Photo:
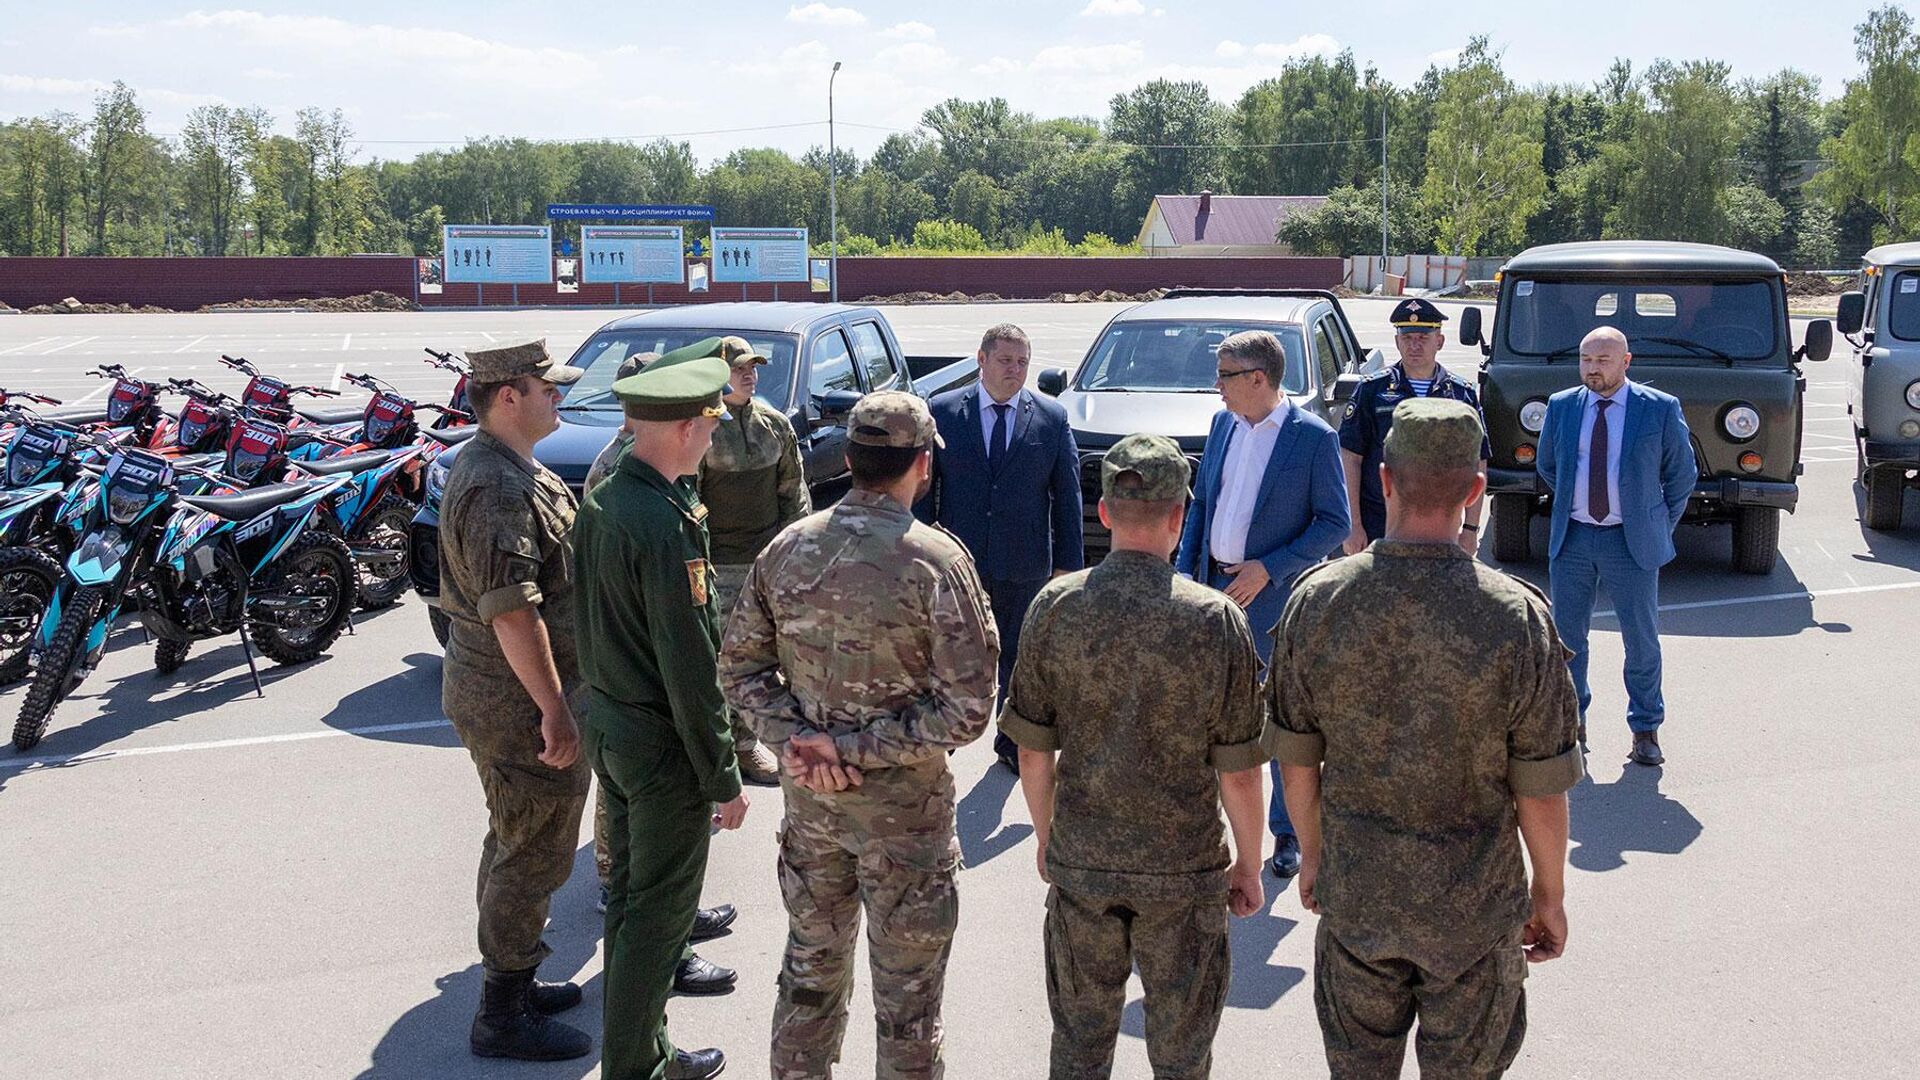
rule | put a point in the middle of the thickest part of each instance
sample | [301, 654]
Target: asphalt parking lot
[195, 882]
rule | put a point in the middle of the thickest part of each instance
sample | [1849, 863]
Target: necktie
[1598, 504]
[997, 451]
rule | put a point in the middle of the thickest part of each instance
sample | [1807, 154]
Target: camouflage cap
[738, 350]
[511, 362]
[1155, 459]
[675, 392]
[892, 418]
[634, 364]
[1438, 433]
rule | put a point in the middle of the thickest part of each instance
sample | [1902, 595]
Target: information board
[750, 255]
[499, 254]
[636, 254]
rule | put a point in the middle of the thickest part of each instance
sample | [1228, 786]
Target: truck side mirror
[1053, 380]
[835, 405]
[1853, 312]
[1818, 342]
[1470, 327]
[1343, 387]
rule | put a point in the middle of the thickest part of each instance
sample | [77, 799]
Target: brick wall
[189, 283]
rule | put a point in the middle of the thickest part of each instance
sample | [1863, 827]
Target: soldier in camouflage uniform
[863, 647]
[1408, 790]
[753, 485]
[1149, 749]
[506, 583]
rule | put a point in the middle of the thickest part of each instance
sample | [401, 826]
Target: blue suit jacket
[1657, 470]
[1023, 523]
[1300, 517]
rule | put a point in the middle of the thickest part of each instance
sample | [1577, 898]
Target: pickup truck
[1153, 370]
[820, 359]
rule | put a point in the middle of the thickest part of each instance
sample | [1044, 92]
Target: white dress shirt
[1241, 477]
[987, 417]
[1616, 442]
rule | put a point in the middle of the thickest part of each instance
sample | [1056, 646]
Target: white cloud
[1230, 50]
[1082, 58]
[909, 31]
[1114, 8]
[914, 57]
[1304, 45]
[818, 14]
[268, 74]
[999, 65]
[50, 87]
[1445, 57]
[1159, 12]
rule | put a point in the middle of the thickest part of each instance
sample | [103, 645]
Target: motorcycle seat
[248, 504]
[348, 463]
[339, 414]
[452, 435]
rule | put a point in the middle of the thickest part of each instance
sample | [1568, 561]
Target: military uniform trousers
[830, 868]
[1471, 1025]
[658, 826]
[533, 828]
[1093, 942]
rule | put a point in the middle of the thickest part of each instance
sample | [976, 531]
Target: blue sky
[418, 74]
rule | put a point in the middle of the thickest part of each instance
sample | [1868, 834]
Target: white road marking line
[204, 337]
[1771, 597]
[347, 343]
[496, 340]
[31, 344]
[1821, 546]
[341, 369]
[56, 760]
[70, 344]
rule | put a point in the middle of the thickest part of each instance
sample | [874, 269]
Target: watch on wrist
[1469, 527]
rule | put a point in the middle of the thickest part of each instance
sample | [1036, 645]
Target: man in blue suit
[1270, 501]
[1618, 460]
[1007, 483]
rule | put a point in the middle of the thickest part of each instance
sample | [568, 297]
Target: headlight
[1533, 416]
[1913, 394]
[22, 467]
[1742, 422]
[437, 481]
[124, 507]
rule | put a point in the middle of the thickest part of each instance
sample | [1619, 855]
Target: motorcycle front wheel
[302, 604]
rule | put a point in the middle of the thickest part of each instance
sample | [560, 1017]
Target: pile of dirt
[1818, 285]
[71, 306]
[1108, 296]
[373, 301]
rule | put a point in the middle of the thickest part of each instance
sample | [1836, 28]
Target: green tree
[1876, 159]
[1484, 178]
[943, 235]
[1306, 131]
[216, 144]
[977, 201]
[117, 150]
[1680, 156]
[1174, 131]
[1349, 223]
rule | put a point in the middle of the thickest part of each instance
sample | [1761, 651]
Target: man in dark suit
[1007, 483]
[1618, 459]
[1270, 501]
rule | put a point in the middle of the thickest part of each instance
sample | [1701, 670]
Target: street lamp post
[833, 201]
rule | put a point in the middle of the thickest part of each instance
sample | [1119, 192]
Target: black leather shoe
[695, 1064]
[548, 998]
[699, 977]
[1646, 749]
[710, 923]
[1286, 857]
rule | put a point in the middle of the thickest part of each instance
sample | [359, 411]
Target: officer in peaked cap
[656, 731]
[1419, 334]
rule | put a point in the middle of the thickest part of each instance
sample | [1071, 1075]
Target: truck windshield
[1178, 357]
[602, 354]
[1705, 322]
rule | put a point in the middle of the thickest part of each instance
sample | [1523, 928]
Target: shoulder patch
[1350, 410]
[699, 573]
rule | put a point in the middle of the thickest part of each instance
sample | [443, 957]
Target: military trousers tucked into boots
[830, 869]
[1094, 942]
[658, 827]
[533, 827]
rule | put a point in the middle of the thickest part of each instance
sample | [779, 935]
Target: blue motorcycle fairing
[100, 556]
[297, 515]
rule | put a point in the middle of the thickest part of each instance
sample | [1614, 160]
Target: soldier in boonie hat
[892, 418]
[510, 362]
[1434, 434]
[738, 351]
[1145, 468]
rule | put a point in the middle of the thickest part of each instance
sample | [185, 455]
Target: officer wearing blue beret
[1418, 333]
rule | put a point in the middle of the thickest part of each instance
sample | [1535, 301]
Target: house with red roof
[1209, 224]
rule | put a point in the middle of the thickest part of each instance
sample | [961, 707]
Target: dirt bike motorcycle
[133, 408]
[457, 404]
[192, 567]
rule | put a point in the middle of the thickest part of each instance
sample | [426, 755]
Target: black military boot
[549, 998]
[507, 1026]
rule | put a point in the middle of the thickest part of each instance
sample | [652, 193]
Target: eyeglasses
[1225, 375]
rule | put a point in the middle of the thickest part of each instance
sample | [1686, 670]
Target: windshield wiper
[1562, 352]
[1685, 344]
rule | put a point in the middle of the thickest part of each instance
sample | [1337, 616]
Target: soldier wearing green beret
[1128, 751]
[753, 485]
[507, 588]
[863, 646]
[657, 730]
[1413, 796]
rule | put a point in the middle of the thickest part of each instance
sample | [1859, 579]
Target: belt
[1591, 525]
